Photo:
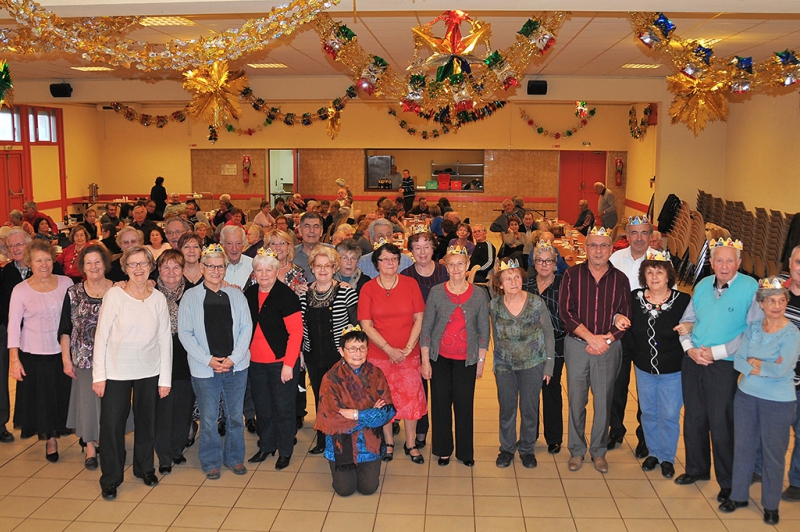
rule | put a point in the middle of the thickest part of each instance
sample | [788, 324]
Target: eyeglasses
[455, 265]
[354, 350]
[548, 262]
[175, 232]
[18, 245]
[213, 267]
[390, 260]
[323, 266]
[595, 246]
[137, 265]
[129, 242]
[349, 258]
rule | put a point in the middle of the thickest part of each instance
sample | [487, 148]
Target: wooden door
[578, 172]
[11, 181]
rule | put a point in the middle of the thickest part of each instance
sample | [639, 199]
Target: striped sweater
[345, 299]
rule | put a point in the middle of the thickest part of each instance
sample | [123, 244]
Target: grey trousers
[765, 424]
[519, 388]
[599, 373]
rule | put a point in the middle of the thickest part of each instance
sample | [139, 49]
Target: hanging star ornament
[697, 101]
[216, 92]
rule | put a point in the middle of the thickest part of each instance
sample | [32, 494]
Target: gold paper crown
[770, 284]
[658, 255]
[736, 244]
[351, 328]
[544, 245]
[381, 241]
[636, 220]
[510, 265]
[600, 232]
[457, 250]
[418, 228]
[267, 252]
[213, 248]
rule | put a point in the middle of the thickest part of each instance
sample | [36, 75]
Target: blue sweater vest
[720, 320]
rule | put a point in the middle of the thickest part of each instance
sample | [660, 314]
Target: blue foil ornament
[664, 24]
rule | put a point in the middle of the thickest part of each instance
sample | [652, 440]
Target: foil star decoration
[697, 101]
[6, 85]
[216, 92]
[451, 54]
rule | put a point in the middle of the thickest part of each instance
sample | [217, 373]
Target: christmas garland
[582, 112]
[638, 130]
[448, 124]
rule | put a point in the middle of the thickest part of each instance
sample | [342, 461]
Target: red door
[578, 172]
[11, 180]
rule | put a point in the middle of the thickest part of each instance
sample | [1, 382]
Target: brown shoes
[575, 463]
[600, 464]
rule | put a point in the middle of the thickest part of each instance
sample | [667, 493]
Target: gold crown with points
[418, 228]
[544, 245]
[351, 328]
[457, 250]
[770, 284]
[267, 252]
[601, 231]
[213, 248]
[736, 244]
[509, 265]
[638, 220]
[658, 255]
[380, 242]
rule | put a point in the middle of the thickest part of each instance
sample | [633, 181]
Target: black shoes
[149, 479]
[554, 448]
[723, 495]
[792, 494]
[317, 450]
[91, 463]
[260, 456]
[421, 443]
[299, 423]
[641, 450]
[282, 462]
[504, 459]
[179, 460]
[650, 463]
[444, 460]
[417, 459]
[110, 493]
[667, 469]
[51, 457]
[730, 506]
[686, 479]
[771, 517]
[529, 460]
[164, 469]
[388, 455]
[613, 441]
[469, 463]
[252, 428]
[6, 437]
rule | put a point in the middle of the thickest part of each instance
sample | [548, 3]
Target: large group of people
[169, 321]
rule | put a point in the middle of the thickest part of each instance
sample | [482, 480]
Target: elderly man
[484, 254]
[17, 219]
[152, 213]
[606, 206]
[240, 267]
[500, 225]
[174, 228]
[380, 230]
[141, 222]
[32, 214]
[792, 493]
[628, 261]
[110, 217]
[311, 234]
[721, 308]
[585, 218]
[592, 294]
[126, 238]
[175, 205]
[194, 214]
[255, 240]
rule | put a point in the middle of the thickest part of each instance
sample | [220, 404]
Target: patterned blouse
[522, 341]
[79, 320]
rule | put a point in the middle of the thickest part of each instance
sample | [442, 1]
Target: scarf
[344, 388]
[173, 297]
[353, 281]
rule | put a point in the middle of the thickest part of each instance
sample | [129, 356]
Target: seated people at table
[194, 215]
[175, 205]
[43, 231]
[513, 240]
[264, 219]
[141, 222]
[585, 219]
[355, 402]
[500, 225]
[90, 223]
[31, 214]
[110, 217]
[444, 205]
[16, 219]
[380, 231]
[237, 217]
[152, 212]
[463, 238]
[421, 208]
[223, 214]
[69, 258]
[436, 219]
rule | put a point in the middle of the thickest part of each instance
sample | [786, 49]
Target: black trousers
[552, 403]
[315, 375]
[275, 406]
[620, 400]
[408, 202]
[114, 409]
[364, 478]
[173, 418]
[452, 391]
[5, 400]
[424, 424]
[708, 393]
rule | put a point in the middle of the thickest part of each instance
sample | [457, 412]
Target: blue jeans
[231, 386]
[660, 399]
[794, 467]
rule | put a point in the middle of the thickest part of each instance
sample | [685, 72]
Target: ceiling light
[166, 21]
[267, 65]
[641, 65]
[92, 69]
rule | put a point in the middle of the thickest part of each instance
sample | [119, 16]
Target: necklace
[388, 290]
[322, 296]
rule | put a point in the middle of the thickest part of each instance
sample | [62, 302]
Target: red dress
[393, 317]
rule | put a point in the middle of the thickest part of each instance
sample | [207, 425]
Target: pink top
[41, 312]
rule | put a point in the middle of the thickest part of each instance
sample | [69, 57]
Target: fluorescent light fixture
[166, 21]
[267, 65]
[641, 65]
[92, 69]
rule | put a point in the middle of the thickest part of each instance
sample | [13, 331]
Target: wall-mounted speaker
[537, 87]
[61, 90]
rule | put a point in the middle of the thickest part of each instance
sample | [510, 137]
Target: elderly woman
[765, 403]
[127, 237]
[158, 242]
[355, 403]
[653, 339]
[214, 328]
[69, 258]
[425, 271]
[191, 247]
[545, 282]
[174, 412]
[223, 214]
[463, 238]
[327, 307]
[454, 338]
[524, 352]
[289, 273]
[132, 354]
[79, 315]
[277, 325]
[349, 272]
[34, 351]
[201, 228]
[390, 310]
[255, 240]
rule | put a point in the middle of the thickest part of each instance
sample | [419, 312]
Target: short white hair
[227, 233]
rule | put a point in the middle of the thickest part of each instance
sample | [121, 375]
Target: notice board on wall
[221, 172]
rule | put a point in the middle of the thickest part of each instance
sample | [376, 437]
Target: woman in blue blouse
[764, 406]
[353, 433]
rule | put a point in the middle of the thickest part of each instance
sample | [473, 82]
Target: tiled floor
[37, 495]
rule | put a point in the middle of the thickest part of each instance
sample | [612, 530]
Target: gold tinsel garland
[639, 130]
[100, 39]
[704, 82]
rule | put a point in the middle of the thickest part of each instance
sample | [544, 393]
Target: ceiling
[589, 44]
